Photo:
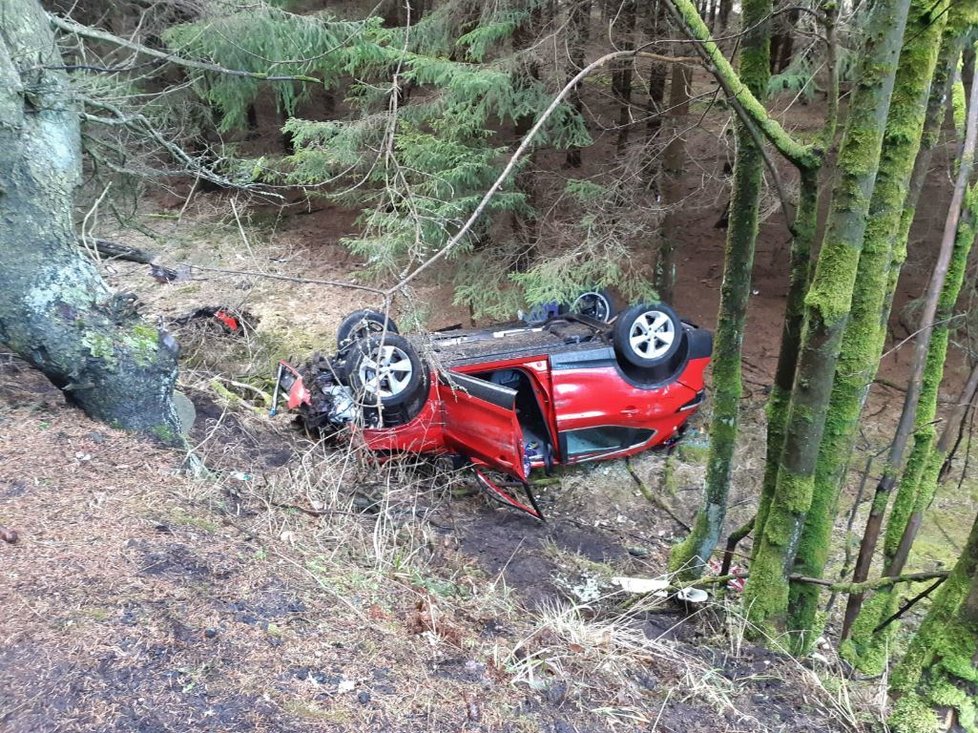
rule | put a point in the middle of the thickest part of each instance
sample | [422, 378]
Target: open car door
[480, 423]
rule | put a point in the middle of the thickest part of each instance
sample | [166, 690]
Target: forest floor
[263, 582]
[292, 587]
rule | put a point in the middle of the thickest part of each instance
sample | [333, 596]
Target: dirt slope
[291, 591]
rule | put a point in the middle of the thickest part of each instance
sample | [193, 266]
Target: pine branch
[521, 151]
[70, 26]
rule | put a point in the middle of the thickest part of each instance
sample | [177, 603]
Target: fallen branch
[116, 251]
[882, 582]
[651, 496]
[733, 539]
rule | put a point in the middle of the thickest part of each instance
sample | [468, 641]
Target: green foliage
[419, 148]
[269, 41]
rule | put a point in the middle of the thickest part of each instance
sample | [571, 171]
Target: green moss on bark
[827, 308]
[689, 556]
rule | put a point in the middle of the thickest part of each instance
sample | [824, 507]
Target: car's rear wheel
[597, 303]
[385, 369]
[361, 324]
[648, 335]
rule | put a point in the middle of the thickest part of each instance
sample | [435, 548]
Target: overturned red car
[568, 388]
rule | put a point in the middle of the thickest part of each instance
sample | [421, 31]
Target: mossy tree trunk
[926, 367]
[865, 331]
[940, 669]
[55, 311]
[866, 647]
[826, 313]
[799, 276]
[690, 556]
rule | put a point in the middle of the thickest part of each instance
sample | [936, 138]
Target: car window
[604, 439]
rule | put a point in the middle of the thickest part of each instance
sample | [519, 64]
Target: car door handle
[630, 411]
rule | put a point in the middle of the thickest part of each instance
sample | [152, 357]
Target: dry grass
[284, 584]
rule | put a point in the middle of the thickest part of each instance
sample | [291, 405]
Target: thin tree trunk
[578, 22]
[912, 397]
[621, 78]
[690, 556]
[827, 308]
[932, 475]
[525, 223]
[800, 273]
[55, 311]
[725, 7]
[673, 168]
[862, 340]
[658, 75]
[866, 646]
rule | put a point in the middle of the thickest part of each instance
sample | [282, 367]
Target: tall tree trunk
[525, 223]
[940, 668]
[865, 332]
[673, 168]
[55, 311]
[690, 555]
[908, 416]
[827, 308]
[783, 40]
[725, 7]
[578, 27]
[800, 272]
[866, 647]
[621, 78]
[655, 24]
[934, 473]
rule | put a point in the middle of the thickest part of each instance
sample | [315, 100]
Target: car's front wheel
[361, 324]
[648, 335]
[385, 370]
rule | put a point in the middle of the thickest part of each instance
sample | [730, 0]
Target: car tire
[361, 324]
[648, 335]
[597, 303]
[388, 367]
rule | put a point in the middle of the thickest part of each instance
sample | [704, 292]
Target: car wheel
[596, 303]
[361, 324]
[385, 368]
[648, 335]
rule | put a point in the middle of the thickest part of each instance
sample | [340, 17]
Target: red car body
[519, 398]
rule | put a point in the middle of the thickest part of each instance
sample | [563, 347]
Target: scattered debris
[233, 321]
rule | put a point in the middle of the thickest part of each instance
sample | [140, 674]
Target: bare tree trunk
[673, 167]
[621, 79]
[55, 311]
[658, 74]
[578, 22]
[725, 7]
